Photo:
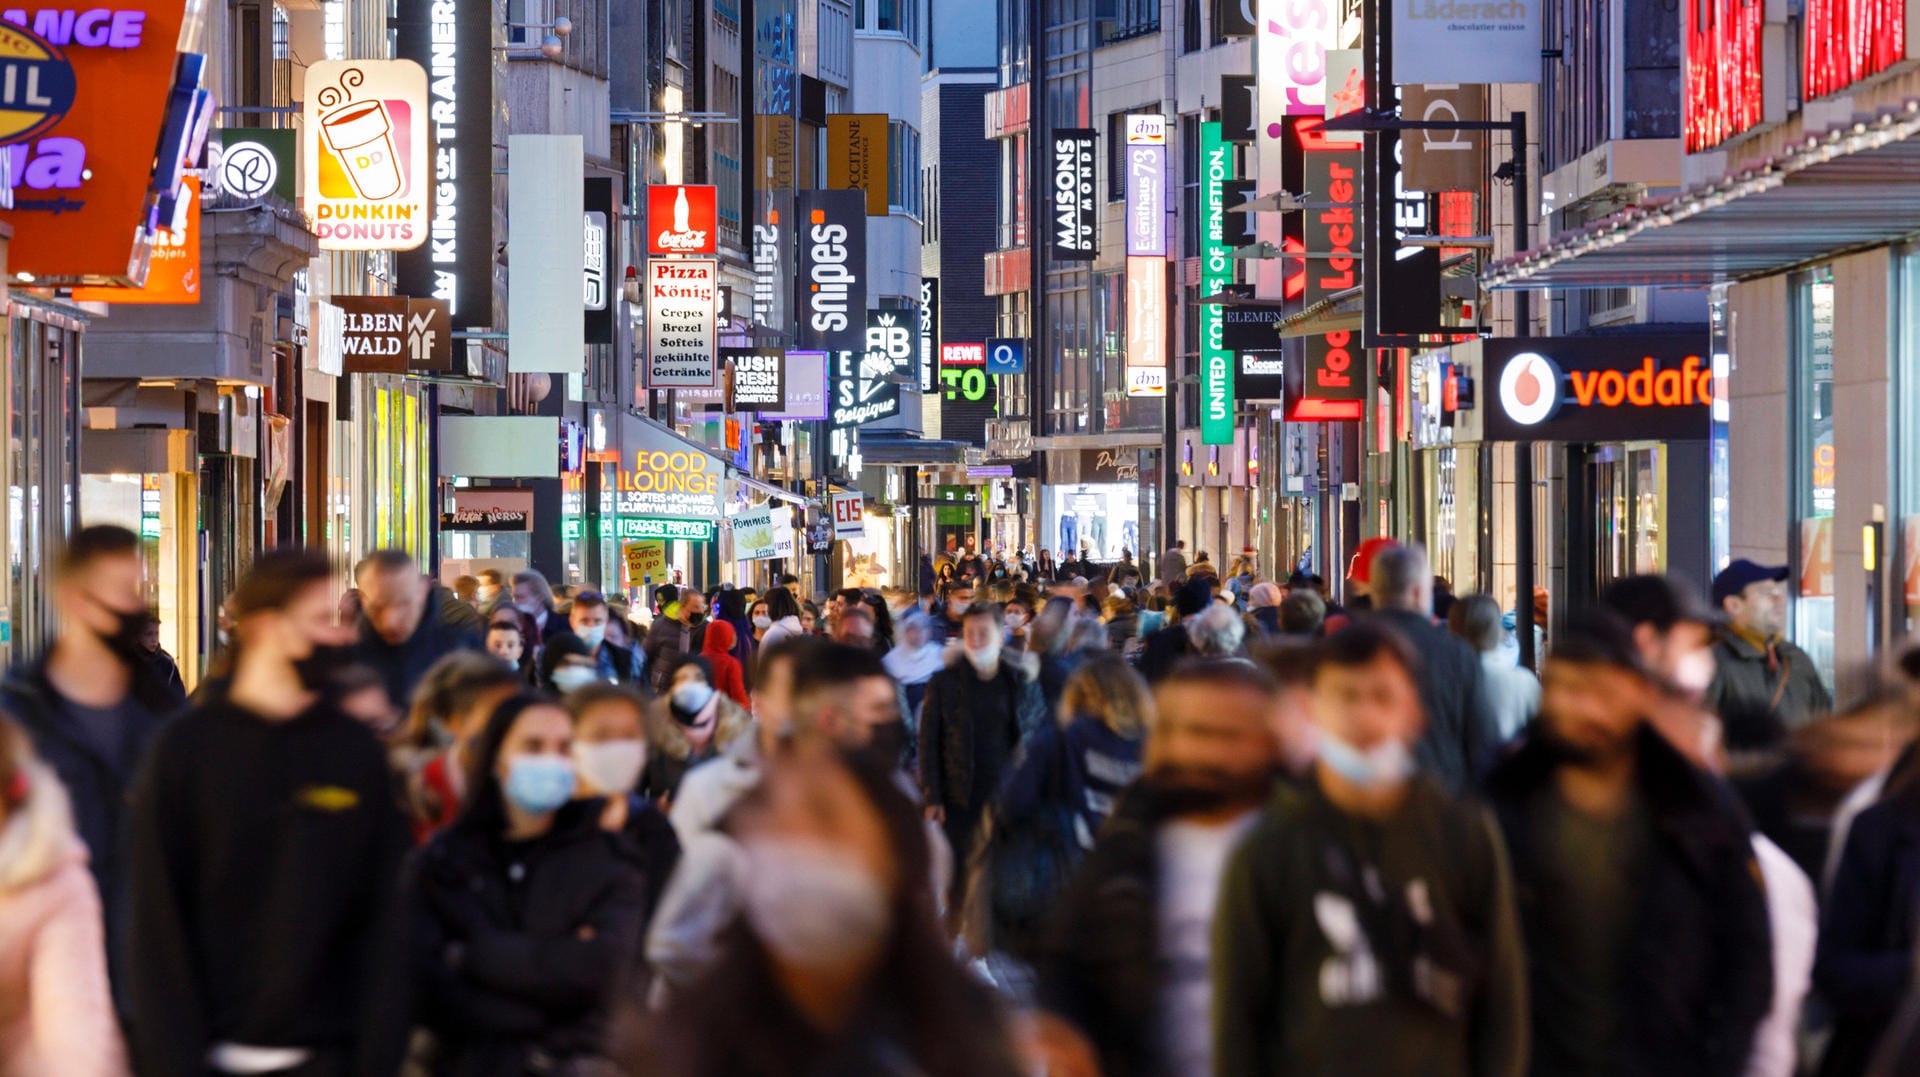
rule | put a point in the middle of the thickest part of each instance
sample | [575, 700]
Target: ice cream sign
[367, 185]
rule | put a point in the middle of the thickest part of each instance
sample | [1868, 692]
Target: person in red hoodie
[717, 648]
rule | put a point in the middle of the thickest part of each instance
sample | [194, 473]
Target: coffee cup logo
[360, 135]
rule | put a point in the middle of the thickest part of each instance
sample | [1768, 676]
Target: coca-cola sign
[681, 219]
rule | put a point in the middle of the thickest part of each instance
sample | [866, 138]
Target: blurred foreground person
[265, 848]
[1646, 921]
[401, 631]
[1366, 925]
[449, 710]
[1460, 737]
[1078, 765]
[92, 704]
[918, 657]
[835, 964]
[1128, 957]
[56, 1010]
[529, 911]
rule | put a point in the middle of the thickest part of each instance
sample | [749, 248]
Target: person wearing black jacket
[1460, 738]
[1645, 918]
[401, 631]
[1166, 647]
[1864, 965]
[528, 910]
[265, 848]
[92, 704]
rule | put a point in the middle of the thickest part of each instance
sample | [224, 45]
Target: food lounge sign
[669, 478]
[83, 98]
[1598, 389]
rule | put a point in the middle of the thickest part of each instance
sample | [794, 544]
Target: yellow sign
[857, 157]
[645, 559]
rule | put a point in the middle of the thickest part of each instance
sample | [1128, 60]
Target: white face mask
[763, 622]
[487, 594]
[1388, 763]
[986, 659]
[592, 636]
[692, 697]
[611, 766]
[574, 678]
[1694, 674]
[957, 608]
[531, 609]
[812, 905]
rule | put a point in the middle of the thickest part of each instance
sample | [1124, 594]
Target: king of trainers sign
[1597, 388]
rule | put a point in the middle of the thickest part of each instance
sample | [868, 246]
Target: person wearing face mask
[1367, 923]
[92, 704]
[588, 617]
[783, 609]
[529, 910]
[1646, 918]
[832, 960]
[610, 752]
[267, 815]
[693, 722]
[761, 619]
[490, 594]
[1126, 959]
[533, 597]
[567, 665]
[956, 598]
[975, 713]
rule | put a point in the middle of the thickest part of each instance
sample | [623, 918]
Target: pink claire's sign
[1723, 92]
[1848, 40]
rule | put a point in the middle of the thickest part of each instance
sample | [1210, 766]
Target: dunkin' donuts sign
[368, 187]
[1598, 389]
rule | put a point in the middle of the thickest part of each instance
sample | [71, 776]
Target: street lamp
[551, 46]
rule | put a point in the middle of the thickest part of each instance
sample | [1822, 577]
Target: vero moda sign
[830, 286]
[1571, 389]
[1075, 211]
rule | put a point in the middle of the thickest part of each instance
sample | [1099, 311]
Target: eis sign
[368, 187]
[1598, 389]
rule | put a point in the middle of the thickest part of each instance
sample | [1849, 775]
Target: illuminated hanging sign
[669, 478]
[1216, 272]
[1075, 209]
[680, 322]
[1146, 306]
[857, 157]
[929, 330]
[173, 276]
[596, 242]
[85, 92]
[1597, 388]
[830, 280]
[1333, 382]
[1845, 41]
[681, 219]
[1290, 46]
[1146, 163]
[757, 378]
[368, 188]
[1467, 41]
[454, 43]
[806, 388]
[1724, 91]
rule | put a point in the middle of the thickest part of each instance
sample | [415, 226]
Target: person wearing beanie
[1166, 647]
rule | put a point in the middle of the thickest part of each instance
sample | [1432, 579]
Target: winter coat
[1165, 648]
[402, 666]
[785, 628]
[1100, 965]
[956, 702]
[1760, 698]
[1173, 567]
[717, 648]
[1460, 739]
[56, 1010]
[667, 639]
[518, 947]
[1697, 974]
[1865, 958]
[1078, 768]
[97, 787]
[671, 753]
[623, 665]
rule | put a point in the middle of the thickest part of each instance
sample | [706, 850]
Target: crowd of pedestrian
[1034, 816]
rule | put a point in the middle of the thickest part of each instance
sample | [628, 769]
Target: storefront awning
[911, 451]
[767, 489]
[1853, 188]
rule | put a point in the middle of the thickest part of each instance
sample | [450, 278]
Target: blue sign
[1006, 355]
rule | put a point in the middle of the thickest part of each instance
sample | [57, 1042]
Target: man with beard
[92, 704]
[1645, 918]
[1367, 924]
[1128, 961]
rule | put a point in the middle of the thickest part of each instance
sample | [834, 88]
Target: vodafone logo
[1530, 389]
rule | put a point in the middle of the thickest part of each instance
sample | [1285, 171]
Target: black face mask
[319, 670]
[698, 620]
[1191, 792]
[124, 640]
[887, 744]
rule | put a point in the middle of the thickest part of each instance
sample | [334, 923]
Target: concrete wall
[1758, 433]
[1861, 396]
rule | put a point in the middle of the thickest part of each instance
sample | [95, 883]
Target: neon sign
[1848, 40]
[1724, 90]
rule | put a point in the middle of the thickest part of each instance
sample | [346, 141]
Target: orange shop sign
[85, 91]
[173, 275]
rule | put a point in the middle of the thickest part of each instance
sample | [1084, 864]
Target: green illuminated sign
[965, 383]
[1216, 272]
[644, 527]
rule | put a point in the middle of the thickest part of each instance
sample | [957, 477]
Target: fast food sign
[368, 188]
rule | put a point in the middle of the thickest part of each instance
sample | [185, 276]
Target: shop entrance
[1635, 508]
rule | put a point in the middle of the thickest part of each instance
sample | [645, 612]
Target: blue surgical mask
[1384, 764]
[593, 636]
[538, 784]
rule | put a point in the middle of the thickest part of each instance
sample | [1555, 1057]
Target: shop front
[1091, 505]
[40, 458]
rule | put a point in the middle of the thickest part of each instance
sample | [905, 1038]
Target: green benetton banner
[1216, 272]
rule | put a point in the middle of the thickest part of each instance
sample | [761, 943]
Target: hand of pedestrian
[936, 814]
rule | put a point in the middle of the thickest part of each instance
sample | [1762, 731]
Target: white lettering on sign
[444, 113]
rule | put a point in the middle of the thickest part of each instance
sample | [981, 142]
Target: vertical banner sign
[1146, 159]
[968, 397]
[830, 286]
[1290, 53]
[545, 205]
[366, 154]
[1075, 211]
[1403, 281]
[682, 219]
[857, 157]
[681, 294]
[759, 378]
[597, 238]
[1239, 103]
[454, 42]
[772, 259]
[1444, 160]
[1146, 326]
[1335, 366]
[1216, 272]
[929, 331]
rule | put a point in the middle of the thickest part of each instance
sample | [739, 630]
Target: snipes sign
[1598, 389]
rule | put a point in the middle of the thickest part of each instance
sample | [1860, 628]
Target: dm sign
[1597, 389]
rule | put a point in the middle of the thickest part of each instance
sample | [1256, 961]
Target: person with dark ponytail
[528, 910]
[265, 850]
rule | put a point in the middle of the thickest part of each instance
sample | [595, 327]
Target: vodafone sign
[1598, 389]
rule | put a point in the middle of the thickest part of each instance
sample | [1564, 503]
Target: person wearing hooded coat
[694, 722]
[717, 647]
[527, 912]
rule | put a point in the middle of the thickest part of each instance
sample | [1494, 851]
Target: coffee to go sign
[1598, 389]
